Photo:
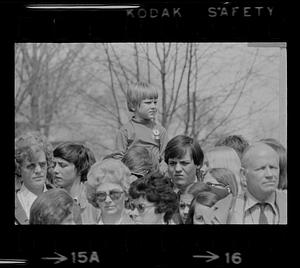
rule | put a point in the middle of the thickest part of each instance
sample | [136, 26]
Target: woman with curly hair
[52, 207]
[33, 158]
[107, 187]
[153, 200]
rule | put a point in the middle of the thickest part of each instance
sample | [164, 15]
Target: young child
[142, 129]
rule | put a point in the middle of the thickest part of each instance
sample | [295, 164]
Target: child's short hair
[139, 92]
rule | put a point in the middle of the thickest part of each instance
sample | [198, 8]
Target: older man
[261, 203]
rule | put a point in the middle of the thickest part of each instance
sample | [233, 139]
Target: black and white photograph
[163, 122]
[100, 120]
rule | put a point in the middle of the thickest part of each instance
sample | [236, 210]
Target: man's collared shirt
[26, 198]
[252, 210]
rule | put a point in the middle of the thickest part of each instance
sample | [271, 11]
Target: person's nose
[178, 167]
[38, 169]
[108, 199]
[186, 210]
[56, 169]
[268, 172]
[153, 105]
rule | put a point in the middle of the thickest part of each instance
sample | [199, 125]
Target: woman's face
[144, 212]
[182, 170]
[65, 173]
[111, 198]
[184, 205]
[202, 214]
[34, 170]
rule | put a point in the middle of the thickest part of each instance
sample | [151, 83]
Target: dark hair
[158, 189]
[51, 207]
[281, 151]
[80, 155]
[178, 146]
[140, 160]
[236, 142]
[205, 198]
[26, 144]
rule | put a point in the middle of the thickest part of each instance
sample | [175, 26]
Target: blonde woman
[223, 157]
[107, 187]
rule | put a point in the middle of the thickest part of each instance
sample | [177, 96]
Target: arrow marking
[210, 257]
[13, 261]
[58, 259]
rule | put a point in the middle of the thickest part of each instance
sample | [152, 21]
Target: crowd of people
[150, 179]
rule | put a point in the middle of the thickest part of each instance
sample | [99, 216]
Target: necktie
[262, 215]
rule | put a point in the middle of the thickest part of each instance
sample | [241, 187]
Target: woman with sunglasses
[107, 186]
[152, 199]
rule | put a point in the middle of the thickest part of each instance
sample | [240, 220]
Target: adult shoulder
[20, 214]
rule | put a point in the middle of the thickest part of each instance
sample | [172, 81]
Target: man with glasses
[33, 156]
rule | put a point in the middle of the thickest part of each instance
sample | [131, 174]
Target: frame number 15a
[85, 257]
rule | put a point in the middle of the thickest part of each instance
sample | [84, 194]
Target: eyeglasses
[140, 207]
[141, 175]
[114, 195]
[219, 186]
[138, 175]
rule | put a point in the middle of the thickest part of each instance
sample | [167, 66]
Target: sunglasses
[138, 175]
[219, 188]
[140, 207]
[217, 185]
[114, 195]
[141, 175]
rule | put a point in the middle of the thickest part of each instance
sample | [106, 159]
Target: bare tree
[45, 76]
[202, 87]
